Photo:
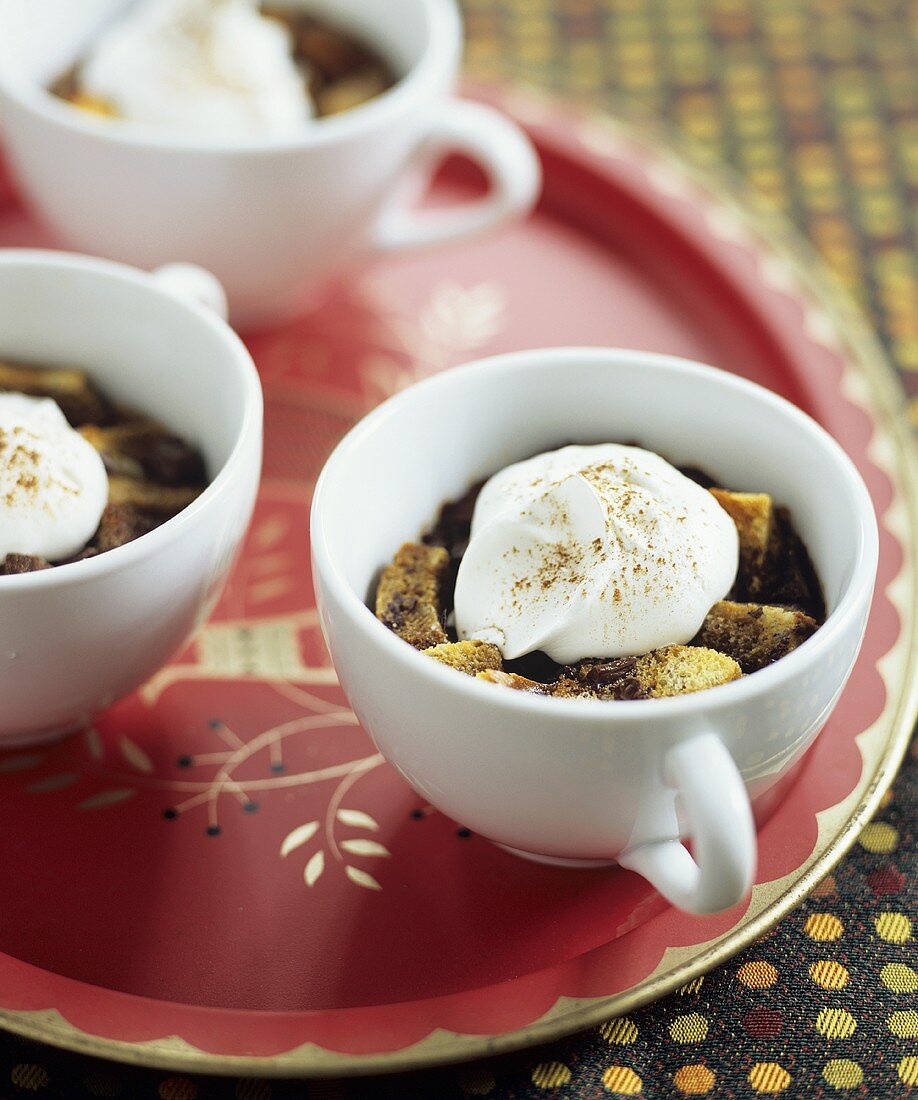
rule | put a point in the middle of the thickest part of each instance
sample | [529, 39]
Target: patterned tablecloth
[815, 103]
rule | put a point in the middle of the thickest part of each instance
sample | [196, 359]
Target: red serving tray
[225, 876]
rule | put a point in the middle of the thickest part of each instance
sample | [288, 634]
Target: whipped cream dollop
[599, 551]
[209, 68]
[53, 484]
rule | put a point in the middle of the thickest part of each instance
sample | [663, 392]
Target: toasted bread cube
[571, 687]
[149, 496]
[682, 669]
[579, 682]
[470, 657]
[350, 91]
[754, 635]
[119, 437]
[512, 680]
[14, 564]
[334, 54]
[143, 449]
[107, 441]
[122, 523]
[409, 599]
[673, 670]
[754, 516]
[71, 389]
[94, 104]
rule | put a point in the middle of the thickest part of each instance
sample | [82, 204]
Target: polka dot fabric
[815, 103]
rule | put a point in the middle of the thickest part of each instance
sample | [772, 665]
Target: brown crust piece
[350, 91]
[143, 449]
[71, 389]
[754, 516]
[790, 579]
[672, 670]
[470, 657]
[409, 599]
[150, 497]
[93, 104]
[615, 678]
[107, 441]
[511, 680]
[334, 53]
[754, 635]
[14, 564]
[342, 71]
[571, 687]
[682, 670]
[122, 523]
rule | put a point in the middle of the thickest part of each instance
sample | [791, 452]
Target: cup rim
[444, 42]
[577, 711]
[123, 557]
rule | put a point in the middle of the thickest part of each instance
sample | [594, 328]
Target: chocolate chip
[629, 688]
[398, 608]
[171, 461]
[608, 672]
[698, 476]
[335, 54]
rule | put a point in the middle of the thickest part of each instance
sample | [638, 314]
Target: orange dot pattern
[757, 974]
[694, 1080]
[620, 1031]
[907, 1070]
[768, 1077]
[814, 103]
[622, 1081]
[29, 1077]
[550, 1075]
[823, 927]
[828, 974]
[835, 1023]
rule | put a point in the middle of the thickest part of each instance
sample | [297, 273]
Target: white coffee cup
[270, 218]
[76, 637]
[580, 781]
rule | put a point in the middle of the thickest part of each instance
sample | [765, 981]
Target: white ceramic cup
[270, 218]
[566, 780]
[75, 638]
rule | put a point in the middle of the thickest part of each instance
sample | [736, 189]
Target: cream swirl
[53, 485]
[210, 68]
[599, 551]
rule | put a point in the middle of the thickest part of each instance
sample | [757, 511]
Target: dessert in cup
[310, 136]
[602, 572]
[121, 504]
[195, 65]
[79, 475]
[678, 643]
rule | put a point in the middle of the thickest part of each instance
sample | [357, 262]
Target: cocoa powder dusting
[22, 460]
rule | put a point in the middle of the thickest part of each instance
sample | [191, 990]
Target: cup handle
[720, 825]
[493, 142]
[193, 283]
